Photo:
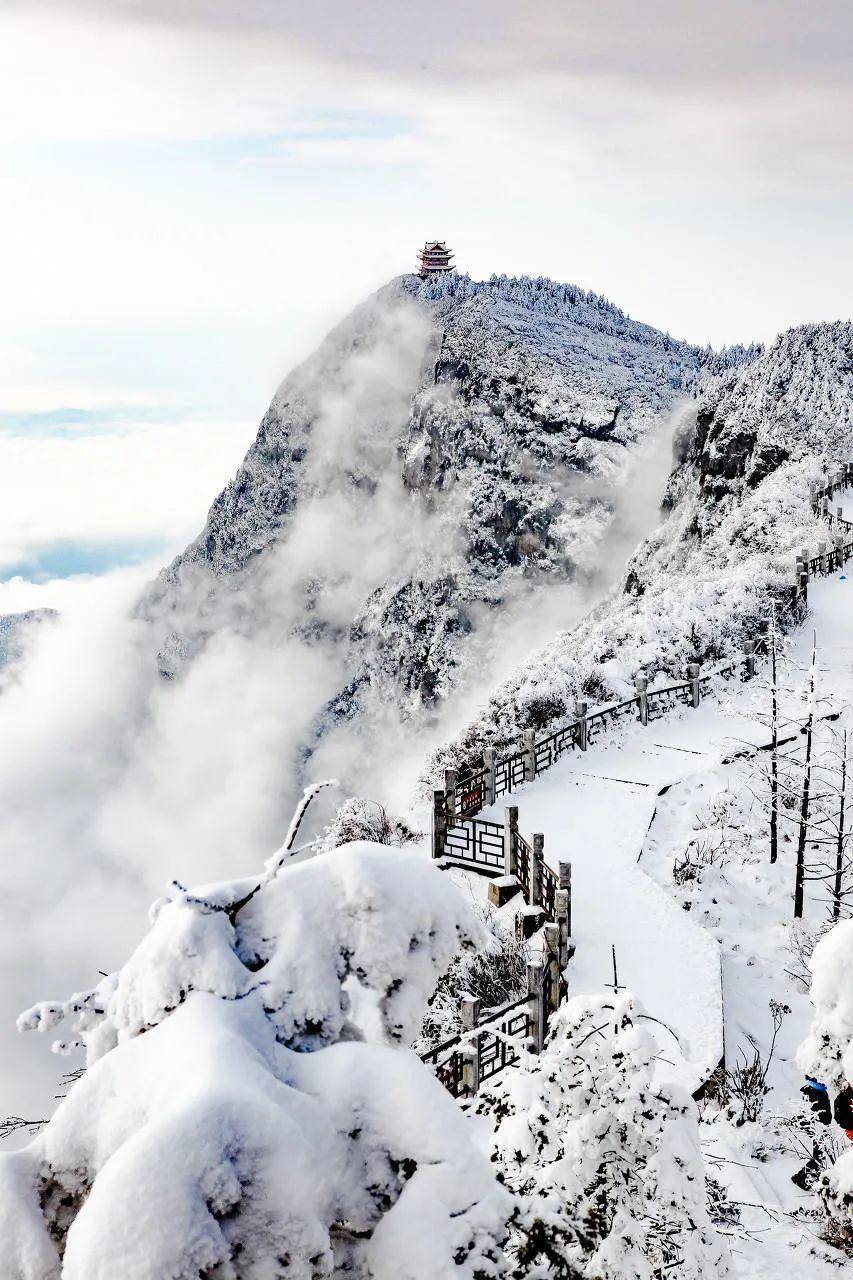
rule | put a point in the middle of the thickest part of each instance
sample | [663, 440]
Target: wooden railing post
[536, 860]
[564, 902]
[535, 996]
[749, 650]
[489, 779]
[510, 829]
[822, 550]
[450, 796]
[469, 1010]
[804, 589]
[529, 747]
[693, 677]
[551, 934]
[641, 685]
[439, 824]
[580, 717]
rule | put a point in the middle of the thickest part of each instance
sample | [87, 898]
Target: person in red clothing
[842, 1109]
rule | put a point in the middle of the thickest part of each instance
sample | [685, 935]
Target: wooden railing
[486, 1045]
[465, 795]
[494, 1039]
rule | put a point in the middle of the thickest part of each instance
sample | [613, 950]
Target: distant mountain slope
[14, 629]
[739, 512]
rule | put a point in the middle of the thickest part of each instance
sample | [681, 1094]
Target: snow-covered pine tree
[235, 1119]
[826, 1055]
[604, 1159]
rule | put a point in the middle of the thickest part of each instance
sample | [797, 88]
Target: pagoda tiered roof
[435, 256]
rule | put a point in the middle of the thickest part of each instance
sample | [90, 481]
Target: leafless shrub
[716, 1092]
[806, 1138]
[802, 940]
[17, 1124]
[361, 819]
[747, 1080]
[723, 1211]
[699, 855]
[838, 1231]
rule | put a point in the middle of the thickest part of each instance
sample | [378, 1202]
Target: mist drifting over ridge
[458, 472]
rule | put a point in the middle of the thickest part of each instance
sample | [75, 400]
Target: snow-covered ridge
[739, 512]
[452, 475]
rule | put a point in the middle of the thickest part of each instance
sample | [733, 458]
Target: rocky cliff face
[738, 512]
[453, 463]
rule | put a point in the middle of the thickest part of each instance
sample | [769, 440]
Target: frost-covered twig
[277, 861]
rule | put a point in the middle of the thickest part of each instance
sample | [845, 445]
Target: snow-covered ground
[706, 958]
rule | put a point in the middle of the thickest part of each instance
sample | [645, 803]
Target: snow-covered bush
[361, 819]
[605, 1161]
[826, 1054]
[235, 1121]
[494, 975]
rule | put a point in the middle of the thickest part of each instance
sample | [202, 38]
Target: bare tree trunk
[839, 848]
[804, 803]
[774, 749]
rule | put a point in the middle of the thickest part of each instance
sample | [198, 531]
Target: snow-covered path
[595, 809]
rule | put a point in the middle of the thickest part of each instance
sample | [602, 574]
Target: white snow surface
[234, 1121]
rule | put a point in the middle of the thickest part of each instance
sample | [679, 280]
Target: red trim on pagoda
[435, 257]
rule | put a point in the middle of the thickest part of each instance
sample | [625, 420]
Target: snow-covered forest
[475, 507]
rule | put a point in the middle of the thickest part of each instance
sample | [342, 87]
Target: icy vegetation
[15, 630]
[245, 1112]
[738, 513]
[606, 1164]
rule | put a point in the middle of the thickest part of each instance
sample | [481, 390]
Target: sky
[192, 193]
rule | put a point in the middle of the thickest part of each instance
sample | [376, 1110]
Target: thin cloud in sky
[86, 501]
[687, 40]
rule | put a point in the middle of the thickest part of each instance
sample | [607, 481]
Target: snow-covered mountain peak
[444, 480]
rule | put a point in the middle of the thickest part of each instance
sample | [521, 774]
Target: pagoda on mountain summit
[435, 258]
